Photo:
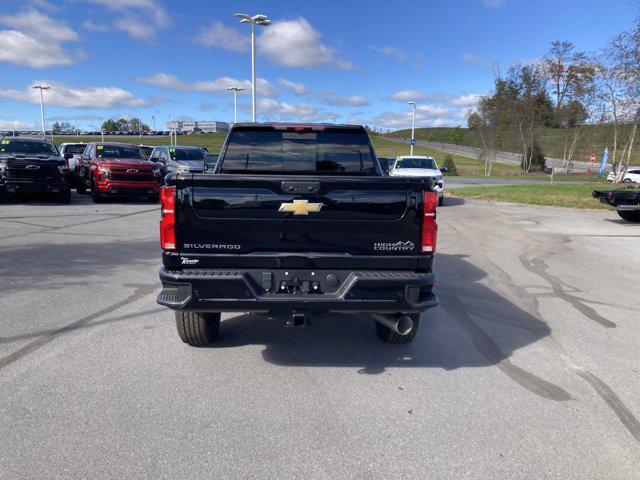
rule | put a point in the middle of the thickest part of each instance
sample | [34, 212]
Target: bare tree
[523, 95]
[571, 75]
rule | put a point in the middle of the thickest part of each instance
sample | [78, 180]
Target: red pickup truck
[117, 169]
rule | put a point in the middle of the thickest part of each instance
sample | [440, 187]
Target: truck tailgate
[266, 220]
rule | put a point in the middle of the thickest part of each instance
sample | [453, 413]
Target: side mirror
[444, 169]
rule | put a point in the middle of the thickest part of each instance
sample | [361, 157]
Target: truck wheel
[95, 195]
[441, 200]
[389, 336]
[197, 328]
[630, 216]
[81, 188]
[65, 198]
[153, 198]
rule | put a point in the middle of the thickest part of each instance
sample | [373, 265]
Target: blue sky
[358, 60]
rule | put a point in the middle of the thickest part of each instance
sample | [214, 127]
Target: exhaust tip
[404, 325]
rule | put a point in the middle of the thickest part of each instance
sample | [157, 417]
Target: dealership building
[194, 126]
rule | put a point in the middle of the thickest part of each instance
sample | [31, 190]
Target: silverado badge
[300, 207]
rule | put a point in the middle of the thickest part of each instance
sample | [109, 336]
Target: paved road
[529, 369]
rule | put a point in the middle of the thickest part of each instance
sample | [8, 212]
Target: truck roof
[295, 126]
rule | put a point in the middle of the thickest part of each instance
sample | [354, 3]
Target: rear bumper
[256, 290]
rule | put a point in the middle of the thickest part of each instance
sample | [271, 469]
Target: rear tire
[81, 188]
[441, 201]
[630, 216]
[198, 329]
[389, 336]
[627, 180]
[153, 198]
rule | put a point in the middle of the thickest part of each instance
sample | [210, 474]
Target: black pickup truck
[626, 200]
[31, 165]
[292, 221]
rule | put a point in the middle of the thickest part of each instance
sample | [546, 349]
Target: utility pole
[42, 87]
[413, 126]
[235, 89]
[259, 19]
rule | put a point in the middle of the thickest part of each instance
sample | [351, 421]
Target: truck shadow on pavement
[55, 265]
[473, 327]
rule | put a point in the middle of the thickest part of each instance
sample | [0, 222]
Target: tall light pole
[235, 91]
[333, 117]
[413, 126]
[42, 87]
[258, 19]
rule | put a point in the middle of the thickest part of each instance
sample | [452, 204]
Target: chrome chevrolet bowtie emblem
[300, 207]
[32, 167]
[132, 170]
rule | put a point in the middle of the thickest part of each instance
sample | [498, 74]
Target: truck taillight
[168, 218]
[429, 226]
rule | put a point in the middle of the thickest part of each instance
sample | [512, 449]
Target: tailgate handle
[300, 187]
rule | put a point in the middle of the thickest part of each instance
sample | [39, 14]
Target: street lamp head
[41, 87]
[259, 17]
[264, 23]
[411, 103]
[243, 16]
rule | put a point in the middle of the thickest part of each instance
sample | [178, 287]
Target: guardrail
[509, 158]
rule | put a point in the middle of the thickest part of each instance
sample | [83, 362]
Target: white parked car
[632, 175]
[419, 166]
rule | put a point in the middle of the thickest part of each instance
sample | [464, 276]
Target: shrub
[451, 166]
[537, 160]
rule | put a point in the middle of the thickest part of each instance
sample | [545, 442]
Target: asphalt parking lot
[528, 369]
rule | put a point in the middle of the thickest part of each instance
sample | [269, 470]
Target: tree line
[136, 125]
[567, 89]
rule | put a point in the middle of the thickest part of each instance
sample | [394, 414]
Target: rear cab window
[330, 151]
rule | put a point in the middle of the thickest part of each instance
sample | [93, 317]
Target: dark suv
[32, 166]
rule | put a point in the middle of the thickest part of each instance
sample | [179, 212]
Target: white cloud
[35, 40]
[66, 118]
[294, 43]
[273, 110]
[76, 97]
[297, 88]
[466, 100]
[467, 57]
[390, 51]
[340, 100]
[218, 86]
[426, 116]
[346, 64]
[207, 106]
[220, 36]
[408, 96]
[493, 4]
[94, 27]
[8, 125]
[39, 26]
[141, 19]
[21, 49]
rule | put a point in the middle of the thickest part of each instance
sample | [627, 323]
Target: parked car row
[33, 165]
